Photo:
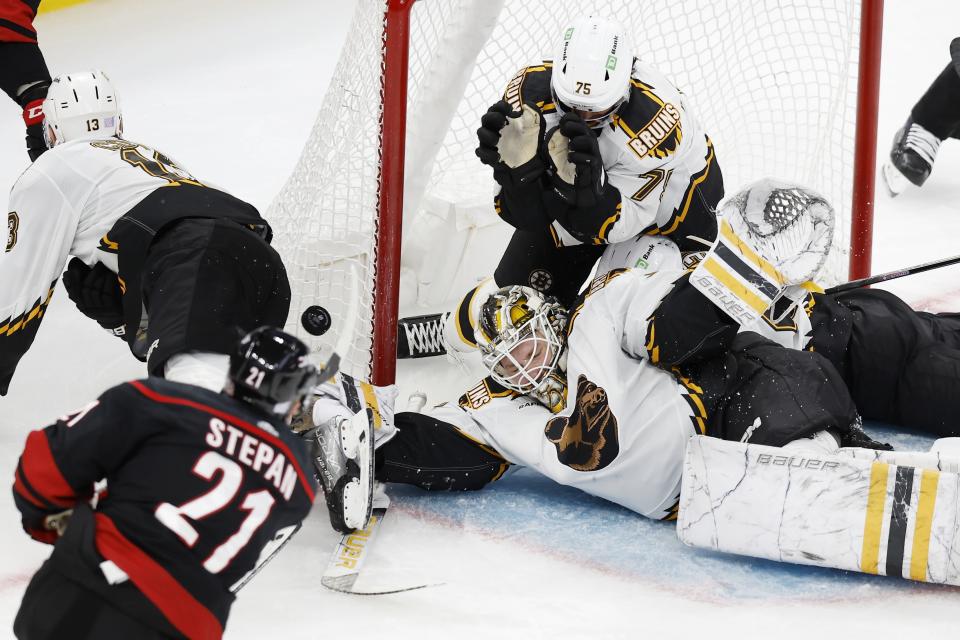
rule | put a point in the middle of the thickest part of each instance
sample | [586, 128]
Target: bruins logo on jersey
[587, 440]
[13, 225]
[483, 393]
[660, 135]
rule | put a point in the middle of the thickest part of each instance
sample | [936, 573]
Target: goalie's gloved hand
[576, 165]
[509, 142]
[31, 100]
[96, 292]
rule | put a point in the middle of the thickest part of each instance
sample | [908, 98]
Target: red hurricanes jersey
[16, 20]
[197, 484]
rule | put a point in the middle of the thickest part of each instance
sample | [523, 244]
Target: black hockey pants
[794, 394]
[938, 110]
[206, 281]
[902, 366]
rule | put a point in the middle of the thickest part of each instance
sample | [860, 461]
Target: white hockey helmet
[79, 106]
[521, 337]
[592, 68]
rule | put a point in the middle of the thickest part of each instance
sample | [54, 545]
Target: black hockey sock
[937, 110]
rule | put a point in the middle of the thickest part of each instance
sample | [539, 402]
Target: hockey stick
[279, 543]
[328, 370]
[893, 275]
[351, 552]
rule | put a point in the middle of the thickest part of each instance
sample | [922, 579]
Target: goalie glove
[509, 142]
[774, 236]
[96, 292]
[576, 166]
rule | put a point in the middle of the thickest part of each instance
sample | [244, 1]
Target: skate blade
[895, 181]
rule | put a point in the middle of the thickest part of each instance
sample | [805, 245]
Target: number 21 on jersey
[258, 504]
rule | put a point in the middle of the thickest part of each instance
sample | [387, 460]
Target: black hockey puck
[315, 319]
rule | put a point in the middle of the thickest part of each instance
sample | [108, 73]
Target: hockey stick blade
[270, 550]
[351, 553]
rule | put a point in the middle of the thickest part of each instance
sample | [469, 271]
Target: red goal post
[787, 89]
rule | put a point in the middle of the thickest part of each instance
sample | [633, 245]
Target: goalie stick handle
[893, 275]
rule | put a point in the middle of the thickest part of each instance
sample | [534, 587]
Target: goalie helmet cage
[786, 88]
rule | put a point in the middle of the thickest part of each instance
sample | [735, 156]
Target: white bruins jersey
[622, 433]
[63, 205]
[655, 152]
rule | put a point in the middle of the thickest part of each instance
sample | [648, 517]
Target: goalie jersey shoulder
[531, 85]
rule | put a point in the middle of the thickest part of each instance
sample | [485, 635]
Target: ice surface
[230, 88]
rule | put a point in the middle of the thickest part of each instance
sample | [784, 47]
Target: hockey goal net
[773, 82]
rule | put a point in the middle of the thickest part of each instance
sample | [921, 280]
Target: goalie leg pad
[831, 511]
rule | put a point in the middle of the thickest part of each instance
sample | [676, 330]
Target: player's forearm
[21, 64]
[40, 490]
[688, 328]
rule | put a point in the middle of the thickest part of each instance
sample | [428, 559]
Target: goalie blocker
[887, 513]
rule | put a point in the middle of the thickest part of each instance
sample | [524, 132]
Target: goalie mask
[81, 106]
[591, 69]
[520, 337]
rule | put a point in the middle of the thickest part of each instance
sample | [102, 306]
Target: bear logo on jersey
[588, 439]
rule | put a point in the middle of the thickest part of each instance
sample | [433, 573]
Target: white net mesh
[772, 81]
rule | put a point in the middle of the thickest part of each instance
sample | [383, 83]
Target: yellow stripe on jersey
[108, 243]
[12, 325]
[873, 521]
[556, 237]
[653, 350]
[605, 227]
[620, 122]
[924, 523]
[680, 213]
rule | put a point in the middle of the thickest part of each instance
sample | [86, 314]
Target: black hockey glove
[576, 166]
[509, 142]
[96, 292]
[32, 102]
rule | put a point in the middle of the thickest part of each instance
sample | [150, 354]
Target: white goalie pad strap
[737, 279]
[830, 511]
